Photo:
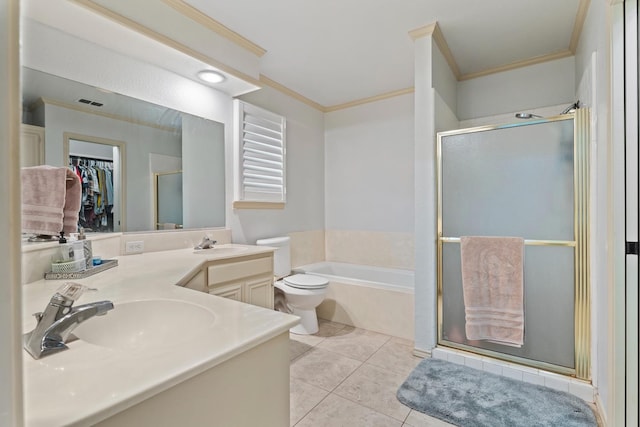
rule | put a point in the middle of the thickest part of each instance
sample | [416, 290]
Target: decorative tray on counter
[106, 264]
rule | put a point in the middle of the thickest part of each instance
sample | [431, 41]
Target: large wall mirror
[133, 141]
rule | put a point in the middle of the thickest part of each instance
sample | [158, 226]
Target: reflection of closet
[96, 175]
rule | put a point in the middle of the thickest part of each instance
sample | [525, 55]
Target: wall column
[10, 252]
[425, 198]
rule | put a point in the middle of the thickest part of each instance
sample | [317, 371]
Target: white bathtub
[374, 298]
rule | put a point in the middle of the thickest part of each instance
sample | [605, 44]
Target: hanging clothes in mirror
[96, 175]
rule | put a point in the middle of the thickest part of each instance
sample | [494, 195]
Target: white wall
[304, 210]
[369, 166]
[548, 83]
[139, 142]
[10, 289]
[593, 89]
[90, 149]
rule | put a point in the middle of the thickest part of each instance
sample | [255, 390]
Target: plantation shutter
[260, 155]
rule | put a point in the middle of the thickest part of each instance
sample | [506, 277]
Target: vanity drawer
[220, 273]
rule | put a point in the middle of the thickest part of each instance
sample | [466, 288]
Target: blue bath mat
[469, 397]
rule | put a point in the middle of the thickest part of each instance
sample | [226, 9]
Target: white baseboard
[601, 411]
[424, 354]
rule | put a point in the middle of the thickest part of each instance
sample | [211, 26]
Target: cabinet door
[31, 145]
[260, 292]
[231, 291]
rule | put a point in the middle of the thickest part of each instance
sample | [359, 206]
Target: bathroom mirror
[153, 140]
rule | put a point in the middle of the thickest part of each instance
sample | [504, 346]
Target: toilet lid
[306, 281]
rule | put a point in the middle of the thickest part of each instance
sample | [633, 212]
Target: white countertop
[88, 383]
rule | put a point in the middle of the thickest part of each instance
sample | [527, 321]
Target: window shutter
[260, 154]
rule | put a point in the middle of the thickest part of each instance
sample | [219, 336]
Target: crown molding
[154, 35]
[427, 30]
[434, 31]
[275, 85]
[518, 64]
[281, 88]
[87, 110]
[215, 26]
[441, 42]
[369, 99]
[581, 16]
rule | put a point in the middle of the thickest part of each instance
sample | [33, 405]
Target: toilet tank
[282, 255]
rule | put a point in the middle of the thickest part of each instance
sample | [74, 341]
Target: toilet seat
[306, 281]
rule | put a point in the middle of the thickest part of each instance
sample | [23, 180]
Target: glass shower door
[517, 180]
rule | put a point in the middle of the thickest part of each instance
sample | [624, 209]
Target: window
[259, 151]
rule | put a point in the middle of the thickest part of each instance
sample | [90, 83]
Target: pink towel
[493, 288]
[72, 202]
[51, 199]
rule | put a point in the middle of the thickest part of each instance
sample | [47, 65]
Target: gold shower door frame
[582, 292]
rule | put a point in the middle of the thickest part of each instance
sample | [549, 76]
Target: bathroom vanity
[170, 356]
[245, 277]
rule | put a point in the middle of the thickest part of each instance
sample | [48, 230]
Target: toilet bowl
[303, 293]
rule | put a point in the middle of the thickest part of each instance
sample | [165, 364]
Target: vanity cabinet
[247, 279]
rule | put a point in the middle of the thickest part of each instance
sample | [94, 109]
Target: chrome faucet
[57, 322]
[206, 243]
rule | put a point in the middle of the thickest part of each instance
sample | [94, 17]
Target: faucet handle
[38, 316]
[71, 291]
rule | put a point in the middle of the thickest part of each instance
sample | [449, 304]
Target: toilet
[302, 292]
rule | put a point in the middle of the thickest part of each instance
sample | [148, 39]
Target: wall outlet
[135, 247]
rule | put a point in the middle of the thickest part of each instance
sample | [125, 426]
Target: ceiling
[337, 51]
[330, 53]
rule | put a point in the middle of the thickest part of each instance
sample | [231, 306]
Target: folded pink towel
[51, 199]
[493, 288]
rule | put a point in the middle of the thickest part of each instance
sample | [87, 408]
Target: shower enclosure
[528, 180]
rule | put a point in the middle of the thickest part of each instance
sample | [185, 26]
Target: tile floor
[345, 376]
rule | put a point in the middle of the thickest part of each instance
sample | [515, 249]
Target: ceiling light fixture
[211, 76]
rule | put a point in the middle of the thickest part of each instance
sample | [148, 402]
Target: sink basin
[222, 250]
[145, 324]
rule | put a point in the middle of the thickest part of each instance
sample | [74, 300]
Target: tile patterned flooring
[345, 376]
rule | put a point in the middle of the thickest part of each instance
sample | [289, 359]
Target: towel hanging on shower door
[493, 288]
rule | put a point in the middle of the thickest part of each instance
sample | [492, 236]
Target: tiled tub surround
[374, 298]
[377, 248]
[307, 247]
[88, 384]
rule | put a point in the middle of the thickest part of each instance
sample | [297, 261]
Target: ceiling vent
[90, 102]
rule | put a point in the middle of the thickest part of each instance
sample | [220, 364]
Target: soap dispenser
[86, 246]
